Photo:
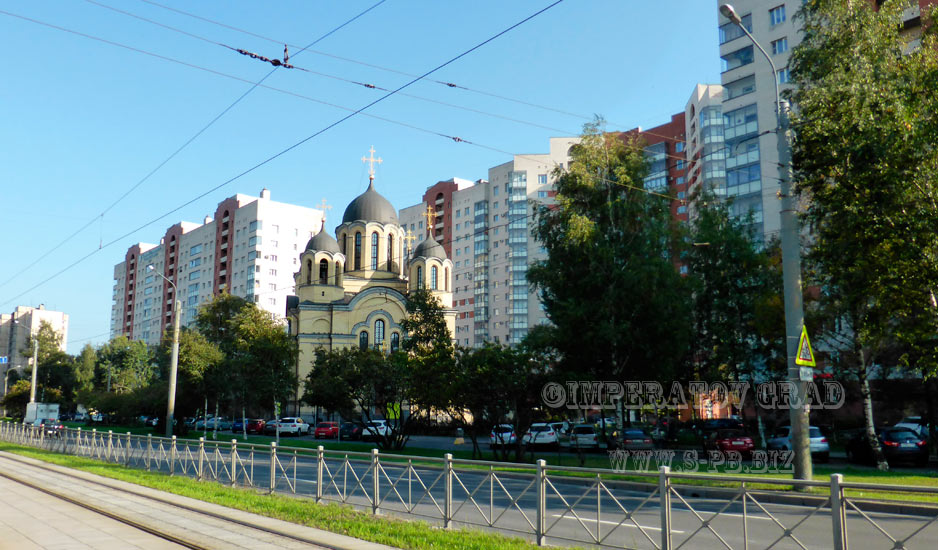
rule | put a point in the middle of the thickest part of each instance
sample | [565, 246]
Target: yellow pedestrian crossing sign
[805, 356]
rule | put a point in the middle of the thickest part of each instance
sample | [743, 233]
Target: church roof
[323, 241]
[370, 206]
[430, 248]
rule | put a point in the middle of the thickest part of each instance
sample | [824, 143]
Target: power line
[288, 149]
[180, 148]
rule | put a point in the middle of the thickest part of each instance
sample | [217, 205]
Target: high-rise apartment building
[18, 326]
[665, 149]
[250, 248]
[705, 150]
[485, 227]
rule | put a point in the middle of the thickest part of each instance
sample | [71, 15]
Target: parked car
[897, 445]
[915, 424]
[634, 440]
[237, 425]
[350, 430]
[781, 441]
[329, 430]
[541, 435]
[375, 430]
[255, 426]
[294, 425]
[217, 423]
[729, 440]
[584, 436]
[502, 435]
[270, 426]
[51, 426]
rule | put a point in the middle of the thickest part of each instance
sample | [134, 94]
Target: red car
[255, 426]
[729, 440]
[327, 430]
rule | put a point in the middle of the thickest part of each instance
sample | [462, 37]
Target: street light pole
[174, 360]
[32, 386]
[791, 269]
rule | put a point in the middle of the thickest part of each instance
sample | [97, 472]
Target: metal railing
[661, 510]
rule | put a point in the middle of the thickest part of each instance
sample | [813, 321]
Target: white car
[541, 434]
[584, 436]
[502, 435]
[294, 425]
[375, 430]
[781, 441]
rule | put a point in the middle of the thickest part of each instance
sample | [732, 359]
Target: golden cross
[371, 161]
[324, 207]
[408, 239]
[430, 215]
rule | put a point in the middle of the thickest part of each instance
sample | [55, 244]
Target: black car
[350, 430]
[897, 445]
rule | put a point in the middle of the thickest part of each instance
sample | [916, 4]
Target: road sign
[805, 356]
[806, 374]
[4, 359]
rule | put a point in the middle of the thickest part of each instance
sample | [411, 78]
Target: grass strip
[336, 518]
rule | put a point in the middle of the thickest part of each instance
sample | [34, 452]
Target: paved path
[200, 523]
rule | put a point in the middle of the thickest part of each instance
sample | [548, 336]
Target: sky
[98, 107]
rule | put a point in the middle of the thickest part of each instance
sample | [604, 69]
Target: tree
[197, 358]
[18, 396]
[609, 283]
[50, 342]
[123, 365]
[866, 164]
[84, 368]
[430, 354]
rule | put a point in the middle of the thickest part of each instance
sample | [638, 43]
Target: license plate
[908, 445]
[738, 443]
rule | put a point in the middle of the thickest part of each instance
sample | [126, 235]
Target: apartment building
[485, 227]
[249, 248]
[18, 326]
[705, 150]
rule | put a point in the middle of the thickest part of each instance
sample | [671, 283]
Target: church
[351, 290]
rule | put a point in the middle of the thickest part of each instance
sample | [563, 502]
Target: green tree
[197, 358]
[430, 354]
[866, 163]
[84, 368]
[609, 283]
[18, 396]
[50, 342]
[123, 365]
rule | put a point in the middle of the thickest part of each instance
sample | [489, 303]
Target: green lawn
[330, 517]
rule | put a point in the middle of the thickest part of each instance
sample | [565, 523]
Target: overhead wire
[195, 136]
[283, 151]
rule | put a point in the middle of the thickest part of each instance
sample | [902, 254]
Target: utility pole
[32, 387]
[173, 367]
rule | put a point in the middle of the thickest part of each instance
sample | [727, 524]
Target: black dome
[323, 241]
[370, 207]
[429, 248]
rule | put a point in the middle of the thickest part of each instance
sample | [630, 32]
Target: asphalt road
[577, 511]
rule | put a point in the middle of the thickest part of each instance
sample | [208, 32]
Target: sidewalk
[198, 522]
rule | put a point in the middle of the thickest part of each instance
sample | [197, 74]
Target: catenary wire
[286, 150]
[183, 146]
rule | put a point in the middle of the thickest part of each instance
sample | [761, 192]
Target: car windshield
[634, 434]
[900, 435]
[324, 425]
[583, 430]
[815, 432]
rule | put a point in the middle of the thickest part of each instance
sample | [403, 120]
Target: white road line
[607, 522]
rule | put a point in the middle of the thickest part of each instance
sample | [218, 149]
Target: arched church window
[358, 251]
[433, 278]
[374, 250]
[446, 279]
[363, 340]
[323, 272]
[419, 276]
[309, 271]
[379, 333]
[390, 251]
[395, 341]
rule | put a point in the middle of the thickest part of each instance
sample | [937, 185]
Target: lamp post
[174, 361]
[6, 382]
[791, 268]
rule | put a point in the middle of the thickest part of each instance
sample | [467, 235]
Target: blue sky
[83, 121]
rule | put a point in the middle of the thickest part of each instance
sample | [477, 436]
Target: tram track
[188, 539]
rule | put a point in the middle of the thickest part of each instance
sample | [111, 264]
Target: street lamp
[6, 382]
[791, 267]
[174, 361]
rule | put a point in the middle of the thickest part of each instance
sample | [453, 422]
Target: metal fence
[661, 510]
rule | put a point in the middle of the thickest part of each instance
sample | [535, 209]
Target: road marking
[607, 522]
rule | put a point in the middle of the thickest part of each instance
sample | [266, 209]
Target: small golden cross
[408, 239]
[430, 215]
[371, 161]
[324, 207]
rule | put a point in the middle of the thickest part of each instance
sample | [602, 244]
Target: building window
[679, 147]
[272, 272]
[419, 277]
[780, 45]
[195, 263]
[542, 179]
[734, 60]
[433, 278]
[374, 251]
[309, 271]
[195, 250]
[255, 225]
[446, 279]
[379, 333]
[390, 251]
[743, 86]
[681, 209]
[323, 272]
[777, 15]
[783, 75]
[358, 250]
[363, 340]
[542, 194]
[395, 341]
[731, 31]
[254, 241]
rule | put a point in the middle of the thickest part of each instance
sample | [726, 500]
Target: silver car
[781, 441]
